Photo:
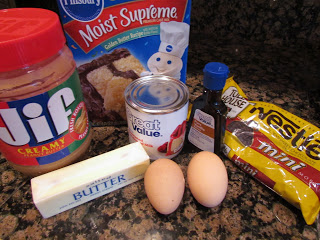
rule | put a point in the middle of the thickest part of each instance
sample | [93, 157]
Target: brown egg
[207, 178]
[164, 185]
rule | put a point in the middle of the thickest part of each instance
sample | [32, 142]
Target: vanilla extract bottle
[208, 115]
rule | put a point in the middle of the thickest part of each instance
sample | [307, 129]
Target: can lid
[215, 75]
[157, 94]
[28, 36]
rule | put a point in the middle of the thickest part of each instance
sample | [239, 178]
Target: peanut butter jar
[43, 118]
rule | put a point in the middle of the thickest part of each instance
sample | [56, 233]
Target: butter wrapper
[76, 184]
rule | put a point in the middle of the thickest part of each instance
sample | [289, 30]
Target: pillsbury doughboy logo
[174, 39]
[82, 10]
[169, 48]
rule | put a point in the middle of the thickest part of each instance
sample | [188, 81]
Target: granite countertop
[284, 76]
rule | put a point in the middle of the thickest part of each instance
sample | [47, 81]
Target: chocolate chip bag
[275, 147]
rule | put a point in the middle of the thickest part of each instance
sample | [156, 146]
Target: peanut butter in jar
[43, 118]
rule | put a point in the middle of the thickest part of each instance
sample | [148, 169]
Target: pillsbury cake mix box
[116, 42]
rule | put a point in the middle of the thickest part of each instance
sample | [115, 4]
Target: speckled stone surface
[249, 211]
[270, 64]
[276, 22]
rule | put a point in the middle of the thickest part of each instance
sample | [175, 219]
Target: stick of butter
[71, 186]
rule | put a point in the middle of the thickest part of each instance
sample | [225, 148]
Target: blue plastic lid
[215, 75]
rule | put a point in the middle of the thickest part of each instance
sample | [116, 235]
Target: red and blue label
[97, 27]
[44, 128]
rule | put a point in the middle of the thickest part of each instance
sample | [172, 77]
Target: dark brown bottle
[208, 114]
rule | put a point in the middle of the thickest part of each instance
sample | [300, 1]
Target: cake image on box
[103, 82]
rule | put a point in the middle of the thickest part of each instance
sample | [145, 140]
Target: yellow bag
[276, 147]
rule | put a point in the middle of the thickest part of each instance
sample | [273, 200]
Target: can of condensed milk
[157, 108]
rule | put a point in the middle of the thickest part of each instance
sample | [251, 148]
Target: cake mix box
[116, 42]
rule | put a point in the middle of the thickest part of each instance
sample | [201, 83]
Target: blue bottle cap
[215, 75]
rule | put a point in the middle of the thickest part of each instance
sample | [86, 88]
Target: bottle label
[44, 128]
[201, 133]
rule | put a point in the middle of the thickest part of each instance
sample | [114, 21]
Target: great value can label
[45, 128]
[116, 42]
[157, 108]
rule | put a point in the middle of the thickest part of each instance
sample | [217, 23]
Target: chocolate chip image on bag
[117, 42]
[242, 131]
[275, 147]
